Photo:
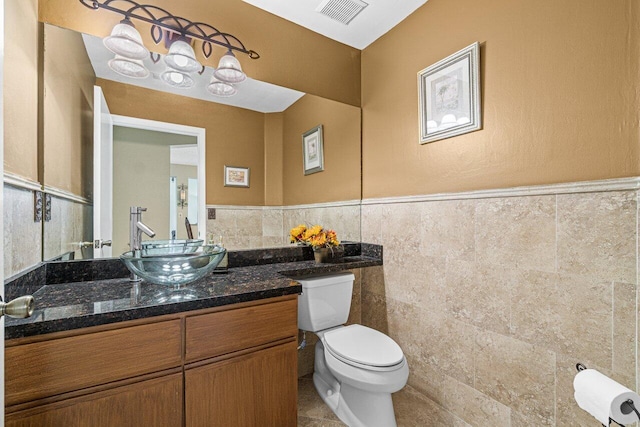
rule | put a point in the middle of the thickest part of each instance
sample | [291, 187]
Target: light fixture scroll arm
[177, 24]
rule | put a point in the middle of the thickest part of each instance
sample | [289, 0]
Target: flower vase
[322, 255]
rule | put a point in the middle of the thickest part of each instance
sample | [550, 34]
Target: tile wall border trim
[21, 182]
[307, 206]
[243, 208]
[62, 194]
[618, 184]
[28, 184]
[338, 204]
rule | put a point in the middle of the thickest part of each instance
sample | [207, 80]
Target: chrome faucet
[136, 228]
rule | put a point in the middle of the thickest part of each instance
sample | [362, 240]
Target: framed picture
[236, 177]
[449, 94]
[312, 151]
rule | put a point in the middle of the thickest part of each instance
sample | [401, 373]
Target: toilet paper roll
[601, 396]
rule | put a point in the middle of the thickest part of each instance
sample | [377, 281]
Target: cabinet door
[156, 402]
[258, 389]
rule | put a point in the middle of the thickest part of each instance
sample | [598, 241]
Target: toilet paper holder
[626, 407]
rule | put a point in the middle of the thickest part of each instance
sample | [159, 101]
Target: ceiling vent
[341, 10]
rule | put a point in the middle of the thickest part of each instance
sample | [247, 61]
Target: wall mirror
[263, 133]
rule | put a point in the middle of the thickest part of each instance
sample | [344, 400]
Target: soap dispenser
[223, 267]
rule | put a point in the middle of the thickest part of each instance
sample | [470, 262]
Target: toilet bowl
[356, 368]
[356, 386]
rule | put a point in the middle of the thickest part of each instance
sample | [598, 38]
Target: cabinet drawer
[214, 334]
[47, 368]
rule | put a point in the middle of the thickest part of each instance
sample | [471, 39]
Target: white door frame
[2, 209]
[102, 174]
[199, 133]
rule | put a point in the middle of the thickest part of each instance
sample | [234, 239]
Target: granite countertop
[65, 306]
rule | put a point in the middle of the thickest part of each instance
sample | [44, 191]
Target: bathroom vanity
[221, 352]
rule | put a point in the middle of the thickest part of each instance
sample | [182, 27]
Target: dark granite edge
[372, 250]
[26, 282]
[68, 324]
[331, 267]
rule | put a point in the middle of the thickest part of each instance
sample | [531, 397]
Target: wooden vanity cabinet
[230, 366]
[155, 402]
[242, 367]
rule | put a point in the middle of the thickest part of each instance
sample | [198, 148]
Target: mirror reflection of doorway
[142, 165]
[183, 190]
[121, 179]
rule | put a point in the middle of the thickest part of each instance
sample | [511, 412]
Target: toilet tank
[325, 301]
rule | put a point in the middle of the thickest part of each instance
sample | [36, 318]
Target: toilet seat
[363, 347]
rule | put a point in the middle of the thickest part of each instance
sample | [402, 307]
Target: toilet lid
[363, 345]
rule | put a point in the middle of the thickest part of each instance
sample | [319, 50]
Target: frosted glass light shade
[128, 67]
[177, 79]
[229, 69]
[218, 88]
[125, 41]
[181, 57]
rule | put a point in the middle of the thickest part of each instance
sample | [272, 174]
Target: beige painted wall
[273, 158]
[291, 56]
[235, 136]
[67, 108]
[559, 90]
[141, 168]
[340, 179]
[20, 88]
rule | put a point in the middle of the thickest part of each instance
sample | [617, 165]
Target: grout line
[557, 236]
[613, 327]
[636, 305]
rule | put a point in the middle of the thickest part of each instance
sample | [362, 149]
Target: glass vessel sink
[161, 247]
[175, 269]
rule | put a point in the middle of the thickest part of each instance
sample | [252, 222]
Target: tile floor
[312, 411]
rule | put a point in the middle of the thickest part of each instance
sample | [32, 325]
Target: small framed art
[449, 96]
[312, 151]
[236, 176]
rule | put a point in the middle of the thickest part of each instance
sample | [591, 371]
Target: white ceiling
[184, 155]
[252, 94]
[375, 20]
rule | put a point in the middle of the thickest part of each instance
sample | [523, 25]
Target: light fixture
[229, 69]
[218, 88]
[126, 43]
[181, 57]
[128, 67]
[177, 79]
[182, 198]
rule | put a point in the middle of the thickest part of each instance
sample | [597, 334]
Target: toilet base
[355, 407]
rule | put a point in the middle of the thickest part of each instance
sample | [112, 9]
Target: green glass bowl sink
[173, 268]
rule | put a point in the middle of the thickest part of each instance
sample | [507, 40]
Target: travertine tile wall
[495, 300]
[263, 227]
[22, 235]
[71, 223]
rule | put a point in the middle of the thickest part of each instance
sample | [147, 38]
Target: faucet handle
[142, 209]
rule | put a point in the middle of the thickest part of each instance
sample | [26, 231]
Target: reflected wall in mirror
[143, 169]
[269, 143]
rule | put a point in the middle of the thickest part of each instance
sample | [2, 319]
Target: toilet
[356, 368]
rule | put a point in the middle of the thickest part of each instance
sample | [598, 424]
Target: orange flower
[295, 235]
[315, 236]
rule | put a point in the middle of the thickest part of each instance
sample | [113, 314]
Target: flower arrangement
[314, 236]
